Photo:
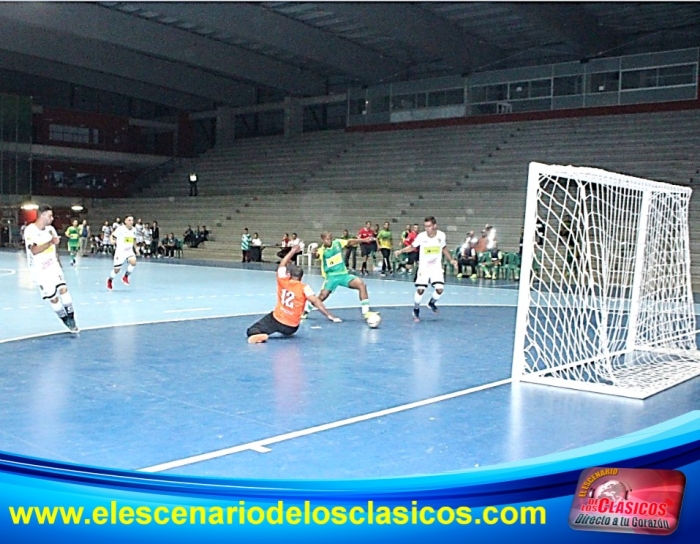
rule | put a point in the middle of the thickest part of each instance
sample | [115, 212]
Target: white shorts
[49, 280]
[430, 275]
[120, 257]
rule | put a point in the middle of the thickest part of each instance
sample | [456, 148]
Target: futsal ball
[374, 320]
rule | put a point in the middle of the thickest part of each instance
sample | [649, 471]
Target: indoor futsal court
[161, 379]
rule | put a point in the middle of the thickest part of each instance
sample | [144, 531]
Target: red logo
[628, 500]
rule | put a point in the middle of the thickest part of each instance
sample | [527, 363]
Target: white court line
[7, 272]
[261, 445]
[187, 310]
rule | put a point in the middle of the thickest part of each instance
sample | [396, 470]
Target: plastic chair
[511, 266]
[484, 265]
[310, 252]
[179, 248]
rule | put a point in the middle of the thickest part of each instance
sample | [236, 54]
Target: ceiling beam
[568, 23]
[422, 29]
[99, 23]
[43, 68]
[256, 24]
[110, 59]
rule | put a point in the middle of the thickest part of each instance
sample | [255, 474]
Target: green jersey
[73, 234]
[332, 258]
[384, 239]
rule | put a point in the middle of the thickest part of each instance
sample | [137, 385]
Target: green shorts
[73, 246]
[335, 280]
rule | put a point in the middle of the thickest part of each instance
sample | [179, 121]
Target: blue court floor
[161, 379]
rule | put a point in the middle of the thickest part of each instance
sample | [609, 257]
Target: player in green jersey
[335, 273]
[73, 235]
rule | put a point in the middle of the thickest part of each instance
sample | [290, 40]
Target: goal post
[605, 301]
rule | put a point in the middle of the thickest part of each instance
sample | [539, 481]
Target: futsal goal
[605, 301]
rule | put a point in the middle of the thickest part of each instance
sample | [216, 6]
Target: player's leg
[437, 280]
[118, 261]
[67, 303]
[326, 289]
[129, 269]
[72, 251]
[354, 257]
[364, 252]
[353, 282]
[439, 288]
[421, 282]
[260, 331]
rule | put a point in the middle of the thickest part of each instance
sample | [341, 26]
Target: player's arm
[356, 241]
[289, 256]
[449, 256]
[313, 299]
[40, 248]
[407, 249]
[136, 247]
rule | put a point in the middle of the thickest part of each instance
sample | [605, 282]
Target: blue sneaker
[431, 305]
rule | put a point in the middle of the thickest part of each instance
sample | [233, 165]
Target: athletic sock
[364, 305]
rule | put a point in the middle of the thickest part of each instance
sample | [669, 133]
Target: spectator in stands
[193, 179]
[138, 230]
[492, 241]
[520, 244]
[539, 228]
[349, 251]
[295, 241]
[189, 236]
[200, 235]
[491, 266]
[366, 235]
[385, 243]
[413, 255]
[245, 246]
[84, 238]
[155, 231]
[404, 234]
[147, 240]
[375, 246]
[284, 246]
[106, 246]
[468, 256]
[256, 247]
[169, 245]
[117, 223]
[482, 242]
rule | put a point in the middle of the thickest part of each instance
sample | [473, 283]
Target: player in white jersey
[433, 245]
[124, 238]
[40, 240]
[138, 228]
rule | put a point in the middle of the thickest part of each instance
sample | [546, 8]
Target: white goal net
[605, 301]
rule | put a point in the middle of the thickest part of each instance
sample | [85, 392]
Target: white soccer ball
[374, 320]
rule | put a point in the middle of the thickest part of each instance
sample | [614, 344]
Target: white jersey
[430, 249]
[34, 236]
[125, 239]
[138, 228]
